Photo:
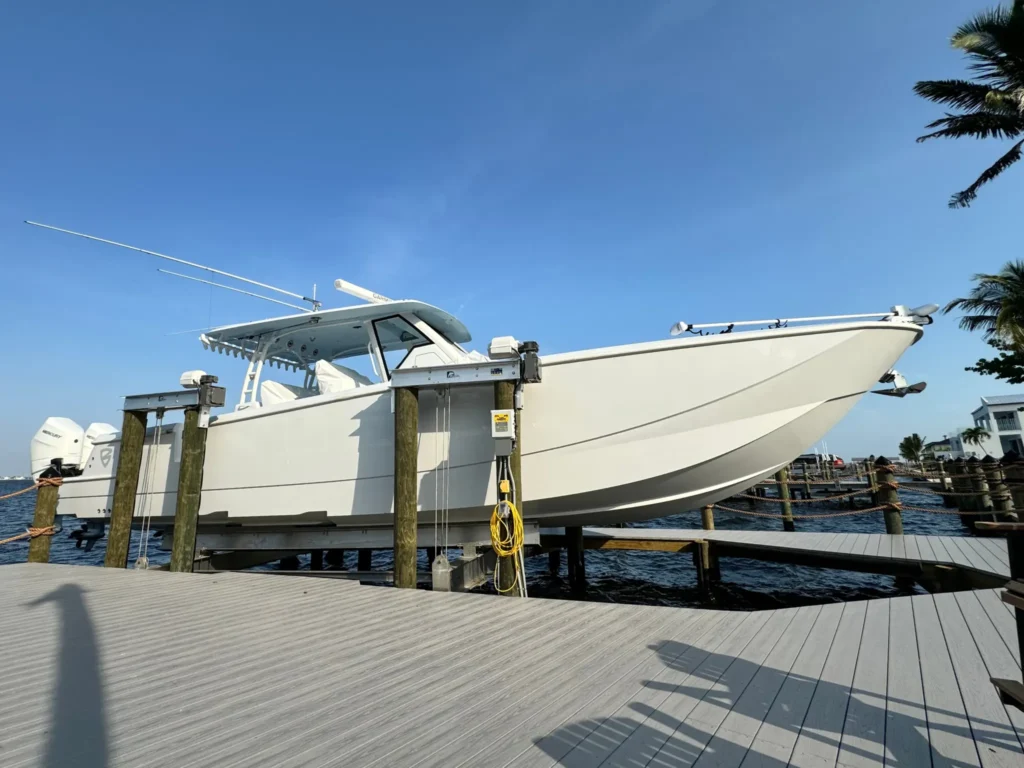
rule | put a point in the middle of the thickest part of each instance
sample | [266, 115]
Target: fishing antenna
[313, 301]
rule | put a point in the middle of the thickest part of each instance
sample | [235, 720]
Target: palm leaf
[962, 94]
[980, 125]
[966, 197]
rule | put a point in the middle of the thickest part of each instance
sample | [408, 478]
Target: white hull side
[610, 435]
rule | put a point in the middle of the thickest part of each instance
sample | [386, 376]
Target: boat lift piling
[45, 513]
[406, 456]
[196, 400]
[782, 478]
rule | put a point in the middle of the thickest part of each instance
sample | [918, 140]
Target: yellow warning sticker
[501, 418]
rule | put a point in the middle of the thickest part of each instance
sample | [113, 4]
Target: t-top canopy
[295, 341]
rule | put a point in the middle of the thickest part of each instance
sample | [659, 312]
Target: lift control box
[503, 431]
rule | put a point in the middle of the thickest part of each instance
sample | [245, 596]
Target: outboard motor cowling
[58, 438]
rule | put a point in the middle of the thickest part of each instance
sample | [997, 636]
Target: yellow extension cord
[507, 540]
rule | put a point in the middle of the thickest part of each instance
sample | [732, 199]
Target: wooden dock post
[554, 561]
[702, 565]
[1013, 473]
[1002, 501]
[406, 458]
[504, 399]
[889, 496]
[316, 560]
[982, 500]
[782, 478]
[869, 473]
[126, 486]
[364, 560]
[44, 514]
[575, 562]
[190, 484]
[707, 517]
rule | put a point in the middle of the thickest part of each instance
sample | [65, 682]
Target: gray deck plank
[998, 744]
[899, 547]
[773, 743]
[885, 545]
[997, 546]
[987, 559]
[941, 555]
[606, 720]
[820, 734]
[949, 731]
[997, 612]
[924, 546]
[645, 725]
[906, 724]
[863, 739]
[849, 539]
[732, 739]
[913, 551]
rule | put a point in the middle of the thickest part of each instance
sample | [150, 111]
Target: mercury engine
[64, 439]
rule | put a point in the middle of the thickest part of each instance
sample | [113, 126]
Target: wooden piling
[889, 496]
[190, 484]
[702, 565]
[364, 560]
[406, 457]
[1013, 473]
[869, 473]
[1002, 501]
[126, 486]
[316, 560]
[44, 515]
[504, 399]
[707, 517]
[575, 563]
[982, 499]
[554, 561]
[782, 480]
[335, 558]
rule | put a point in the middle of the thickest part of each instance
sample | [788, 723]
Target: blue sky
[602, 168]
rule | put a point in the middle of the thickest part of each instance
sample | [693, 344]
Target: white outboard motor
[95, 432]
[58, 438]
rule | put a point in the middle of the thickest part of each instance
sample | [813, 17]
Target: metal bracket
[457, 373]
[204, 397]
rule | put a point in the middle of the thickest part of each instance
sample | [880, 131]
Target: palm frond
[966, 197]
[980, 125]
[962, 94]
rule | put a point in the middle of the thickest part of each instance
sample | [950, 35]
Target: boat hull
[614, 435]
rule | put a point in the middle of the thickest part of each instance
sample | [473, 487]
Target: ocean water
[650, 578]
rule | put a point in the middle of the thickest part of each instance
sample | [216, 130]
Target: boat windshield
[396, 338]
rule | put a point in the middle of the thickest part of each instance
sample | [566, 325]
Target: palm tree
[912, 449]
[996, 305]
[976, 436]
[992, 103]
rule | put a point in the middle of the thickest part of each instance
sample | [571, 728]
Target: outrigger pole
[315, 304]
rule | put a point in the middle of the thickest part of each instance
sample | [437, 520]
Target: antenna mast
[313, 301]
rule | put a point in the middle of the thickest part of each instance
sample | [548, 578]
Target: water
[649, 578]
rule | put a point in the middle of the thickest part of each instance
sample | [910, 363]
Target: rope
[43, 481]
[144, 499]
[31, 533]
[779, 516]
[779, 500]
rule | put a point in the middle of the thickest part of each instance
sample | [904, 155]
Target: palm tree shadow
[669, 724]
[78, 724]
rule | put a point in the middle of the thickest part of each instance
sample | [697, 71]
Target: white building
[1000, 416]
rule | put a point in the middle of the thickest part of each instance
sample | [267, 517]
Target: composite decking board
[863, 731]
[949, 730]
[899, 547]
[537, 683]
[998, 547]
[991, 562]
[640, 723]
[849, 540]
[941, 555]
[822, 729]
[443, 678]
[906, 724]
[963, 556]
[552, 745]
[885, 546]
[996, 656]
[913, 552]
[996, 611]
[692, 733]
[998, 744]
[317, 672]
[734, 735]
[513, 733]
[924, 546]
[777, 733]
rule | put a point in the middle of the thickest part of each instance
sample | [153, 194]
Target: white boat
[611, 435]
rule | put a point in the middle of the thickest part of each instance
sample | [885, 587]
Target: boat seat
[274, 392]
[337, 378]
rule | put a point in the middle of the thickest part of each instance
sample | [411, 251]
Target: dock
[983, 560]
[131, 668]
